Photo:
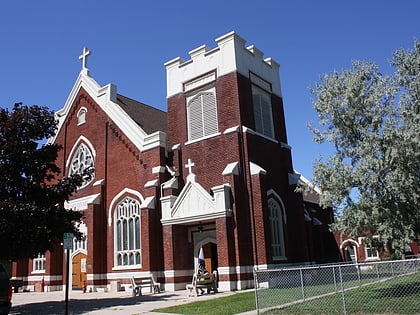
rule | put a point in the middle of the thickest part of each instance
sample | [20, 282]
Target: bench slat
[142, 282]
[203, 281]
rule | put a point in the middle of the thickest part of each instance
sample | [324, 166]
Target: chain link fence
[384, 287]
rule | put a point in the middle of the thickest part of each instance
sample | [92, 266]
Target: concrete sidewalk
[106, 303]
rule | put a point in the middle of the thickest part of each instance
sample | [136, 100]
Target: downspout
[251, 197]
[104, 190]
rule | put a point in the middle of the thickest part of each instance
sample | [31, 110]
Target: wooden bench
[207, 281]
[144, 282]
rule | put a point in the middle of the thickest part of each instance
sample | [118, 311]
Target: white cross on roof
[191, 175]
[189, 165]
[83, 57]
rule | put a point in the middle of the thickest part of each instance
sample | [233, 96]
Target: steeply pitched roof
[150, 119]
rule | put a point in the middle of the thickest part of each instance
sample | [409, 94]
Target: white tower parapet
[229, 55]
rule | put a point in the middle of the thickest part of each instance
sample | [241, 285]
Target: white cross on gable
[189, 165]
[83, 57]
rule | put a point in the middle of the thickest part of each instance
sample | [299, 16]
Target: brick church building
[213, 172]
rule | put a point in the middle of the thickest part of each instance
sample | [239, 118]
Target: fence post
[342, 291]
[256, 293]
[302, 284]
[335, 280]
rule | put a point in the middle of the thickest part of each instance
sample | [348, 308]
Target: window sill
[278, 258]
[38, 271]
[203, 138]
[126, 267]
[372, 258]
[266, 137]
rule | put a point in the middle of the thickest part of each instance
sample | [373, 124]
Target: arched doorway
[79, 271]
[209, 245]
[210, 256]
[349, 250]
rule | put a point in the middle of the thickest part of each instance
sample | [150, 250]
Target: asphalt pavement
[104, 303]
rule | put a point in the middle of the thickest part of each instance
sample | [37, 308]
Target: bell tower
[225, 113]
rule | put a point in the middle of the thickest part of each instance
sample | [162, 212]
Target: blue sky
[130, 41]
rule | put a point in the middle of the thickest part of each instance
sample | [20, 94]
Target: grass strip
[400, 295]
[232, 304]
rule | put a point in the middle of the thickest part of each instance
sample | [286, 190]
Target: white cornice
[83, 202]
[230, 55]
[256, 169]
[195, 204]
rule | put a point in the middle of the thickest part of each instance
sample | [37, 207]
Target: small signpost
[68, 240]
[67, 245]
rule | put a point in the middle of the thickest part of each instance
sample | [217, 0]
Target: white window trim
[281, 236]
[365, 247]
[41, 259]
[203, 138]
[84, 140]
[263, 94]
[371, 257]
[200, 81]
[112, 205]
[116, 252]
[188, 99]
[82, 111]
[352, 242]
[88, 180]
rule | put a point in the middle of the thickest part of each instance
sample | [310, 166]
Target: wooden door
[210, 256]
[79, 270]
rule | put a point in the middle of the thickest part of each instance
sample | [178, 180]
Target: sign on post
[68, 240]
[67, 245]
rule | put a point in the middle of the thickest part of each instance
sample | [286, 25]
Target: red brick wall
[121, 165]
[234, 104]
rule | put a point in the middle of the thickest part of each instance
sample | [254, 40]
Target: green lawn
[232, 304]
[397, 296]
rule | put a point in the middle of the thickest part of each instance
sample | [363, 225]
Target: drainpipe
[251, 197]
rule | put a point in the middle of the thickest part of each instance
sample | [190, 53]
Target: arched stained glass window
[127, 233]
[82, 161]
[277, 229]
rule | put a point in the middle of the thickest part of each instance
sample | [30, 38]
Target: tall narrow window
[81, 116]
[202, 115]
[81, 245]
[82, 161]
[370, 251]
[127, 233]
[277, 229]
[263, 116]
[39, 263]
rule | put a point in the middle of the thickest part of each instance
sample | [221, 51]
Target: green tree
[373, 122]
[32, 214]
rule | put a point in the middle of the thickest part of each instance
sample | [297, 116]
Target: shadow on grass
[398, 290]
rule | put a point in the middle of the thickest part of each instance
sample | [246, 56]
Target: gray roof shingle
[150, 119]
